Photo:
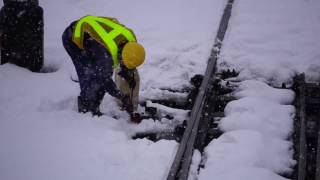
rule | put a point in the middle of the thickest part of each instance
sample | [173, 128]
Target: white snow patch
[261, 90]
[249, 173]
[196, 160]
[245, 148]
[261, 108]
[273, 40]
[42, 135]
[257, 127]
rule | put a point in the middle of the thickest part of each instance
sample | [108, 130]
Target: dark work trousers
[94, 72]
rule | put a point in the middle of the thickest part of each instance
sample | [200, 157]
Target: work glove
[128, 75]
[135, 118]
[126, 103]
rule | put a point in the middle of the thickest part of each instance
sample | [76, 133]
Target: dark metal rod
[318, 156]
[302, 139]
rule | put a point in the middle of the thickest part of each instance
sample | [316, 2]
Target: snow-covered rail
[307, 126]
[197, 128]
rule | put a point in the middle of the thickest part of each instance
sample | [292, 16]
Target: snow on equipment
[21, 33]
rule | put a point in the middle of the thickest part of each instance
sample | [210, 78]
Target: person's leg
[76, 55]
[89, 87]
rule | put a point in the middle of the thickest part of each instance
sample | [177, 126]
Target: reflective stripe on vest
[106, 37]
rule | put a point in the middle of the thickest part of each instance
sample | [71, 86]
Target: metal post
[21, 27]
[36, 2]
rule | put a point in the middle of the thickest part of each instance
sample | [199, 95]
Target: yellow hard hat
[133, 55]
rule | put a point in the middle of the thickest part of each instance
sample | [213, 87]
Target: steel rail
[302, 126]
[181, 164]
[318, 158]
[307, 129]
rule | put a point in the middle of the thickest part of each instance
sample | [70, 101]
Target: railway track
[307, 129]
[207, 110]
[202, 114]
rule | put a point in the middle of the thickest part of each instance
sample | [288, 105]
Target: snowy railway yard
[254, 117]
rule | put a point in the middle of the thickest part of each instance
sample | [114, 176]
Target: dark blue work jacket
[93, 65]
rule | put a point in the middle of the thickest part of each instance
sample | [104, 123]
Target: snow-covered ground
[255, 141]
[269, 42]
[42, 136]
[273, 40]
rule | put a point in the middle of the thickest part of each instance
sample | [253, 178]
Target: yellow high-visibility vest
[107, 31]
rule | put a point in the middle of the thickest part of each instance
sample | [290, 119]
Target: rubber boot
[95, 110]
[85, 106]
[82, 105]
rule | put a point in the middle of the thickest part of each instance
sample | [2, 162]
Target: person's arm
[128, 75]
[110, 87]
[102, 62]
[103, 66]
